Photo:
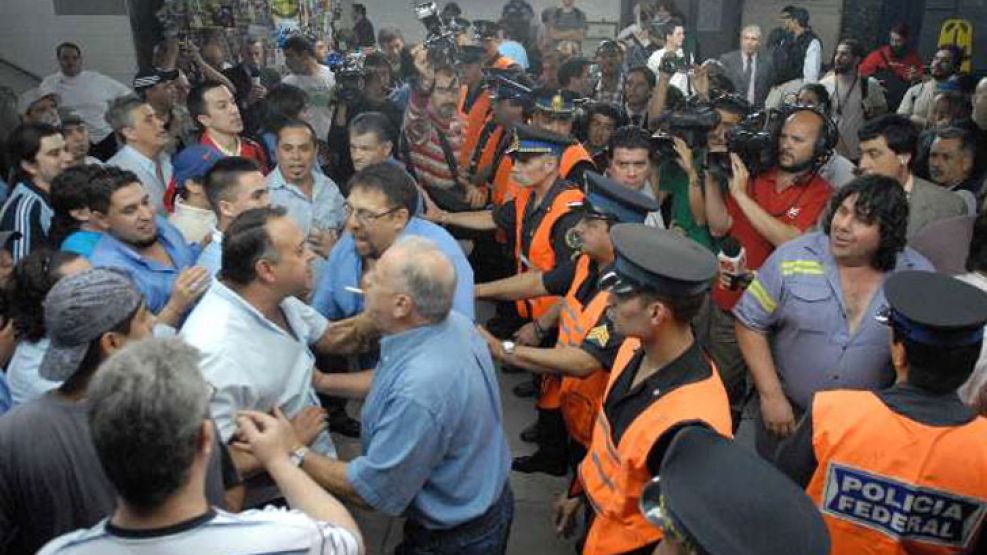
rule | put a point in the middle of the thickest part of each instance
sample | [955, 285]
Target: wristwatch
[298, 455]
[508, 347]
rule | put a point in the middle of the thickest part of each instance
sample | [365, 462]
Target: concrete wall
[30, 31]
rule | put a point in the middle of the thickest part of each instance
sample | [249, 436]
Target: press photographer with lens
[779, 202]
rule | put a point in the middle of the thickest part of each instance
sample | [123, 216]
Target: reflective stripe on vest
[890, 485]
[540, 254]
[613, 475]
[474, 120]
[580, 398]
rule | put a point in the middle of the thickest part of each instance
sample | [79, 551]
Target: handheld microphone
[732, 259]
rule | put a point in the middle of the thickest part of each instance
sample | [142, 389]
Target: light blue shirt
[22, 372]
[433, 446]
[252, 362]
[6, 402]
[81, 242]
[129, 158]
[797, 300]
[211, 257]
[325, 210]
[515, 51]
[346, 267]
[152, 278]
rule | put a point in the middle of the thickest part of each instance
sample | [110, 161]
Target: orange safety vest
[888, 485]
[540, 255]
[581, 397]
[614, 475]
[483, 155]
[504, 186]
[474, 120]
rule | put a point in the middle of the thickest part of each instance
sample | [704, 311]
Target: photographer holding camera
[761, 213]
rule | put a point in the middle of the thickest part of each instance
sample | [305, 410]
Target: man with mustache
[918, 100]
[807, 321]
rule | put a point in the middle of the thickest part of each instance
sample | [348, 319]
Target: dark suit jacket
[734, 65]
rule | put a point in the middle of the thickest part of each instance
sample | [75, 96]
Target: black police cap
[532, 140]
[935, 309]
[606, 198]
[485, 29]
[556, 101]
[723, 498]
[660, 260]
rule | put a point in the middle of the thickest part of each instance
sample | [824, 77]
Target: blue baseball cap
[193, 162]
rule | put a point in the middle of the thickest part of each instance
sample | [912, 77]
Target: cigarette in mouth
[355, 290]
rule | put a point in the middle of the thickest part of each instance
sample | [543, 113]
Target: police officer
[537, 220]
[510, 96]
[727, 515]
[487, 35]
[660, 379]
[587, 342]
[904, 470]
[554, 111]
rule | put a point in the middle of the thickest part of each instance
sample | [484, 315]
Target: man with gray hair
[751, 74]
[158, 465]
[433, 445]
[51, 481]
[144, 139]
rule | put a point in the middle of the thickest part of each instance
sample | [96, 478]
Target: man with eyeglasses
[660, 380]
[382, 208]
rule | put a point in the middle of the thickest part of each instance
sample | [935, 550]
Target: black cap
[508, 84]
[485, 29]
[723, 498]
[660, 260]
[935, 309]
[556, 101]
[471, 54]
[607, 199]
[609, 45]
[532, 140]
[147, 78]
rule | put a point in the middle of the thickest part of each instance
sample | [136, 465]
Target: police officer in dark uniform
[660, 380]
[749, 508]
[587, 341]
[904, 469]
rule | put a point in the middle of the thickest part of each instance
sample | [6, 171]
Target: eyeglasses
[364, 217]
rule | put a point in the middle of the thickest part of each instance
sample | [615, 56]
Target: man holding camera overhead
[761, 213]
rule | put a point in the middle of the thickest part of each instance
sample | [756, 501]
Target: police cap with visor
[935, 309]
[716, 497]
[659, 261]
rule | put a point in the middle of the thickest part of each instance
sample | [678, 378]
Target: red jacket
[878, 60]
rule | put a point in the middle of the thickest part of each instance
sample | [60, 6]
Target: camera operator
[761, 213]
[431, 135]
[362, 86]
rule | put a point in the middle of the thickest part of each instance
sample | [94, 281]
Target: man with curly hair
[807, 321]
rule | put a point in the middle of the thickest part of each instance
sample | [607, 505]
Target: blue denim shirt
[433, 446]
[346, 267]
[152, 278]
[797, 300]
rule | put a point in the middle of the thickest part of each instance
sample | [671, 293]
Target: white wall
[399, 13]
[30, 31]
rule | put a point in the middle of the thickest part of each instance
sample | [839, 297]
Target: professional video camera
[754, 140]
[440, 42]
[349, 72]
[692, 124]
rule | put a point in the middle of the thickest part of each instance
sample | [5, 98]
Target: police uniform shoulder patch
[599, 335]
[903, 511]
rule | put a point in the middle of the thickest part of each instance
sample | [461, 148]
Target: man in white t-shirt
[158, 463]
[87, 92]
[313, 78]
[674, 31]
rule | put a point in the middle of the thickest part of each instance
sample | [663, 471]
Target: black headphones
[828, 137]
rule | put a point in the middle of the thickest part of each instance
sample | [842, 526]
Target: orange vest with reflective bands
[474, 120]
[581, 397]
[540, 255]
[482, 156]
[504, 187]
[614, 475]
[887, 484]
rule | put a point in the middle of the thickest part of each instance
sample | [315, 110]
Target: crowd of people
[202, 269]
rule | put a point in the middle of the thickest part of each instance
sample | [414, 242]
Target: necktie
[748, 75]
[159, 171]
